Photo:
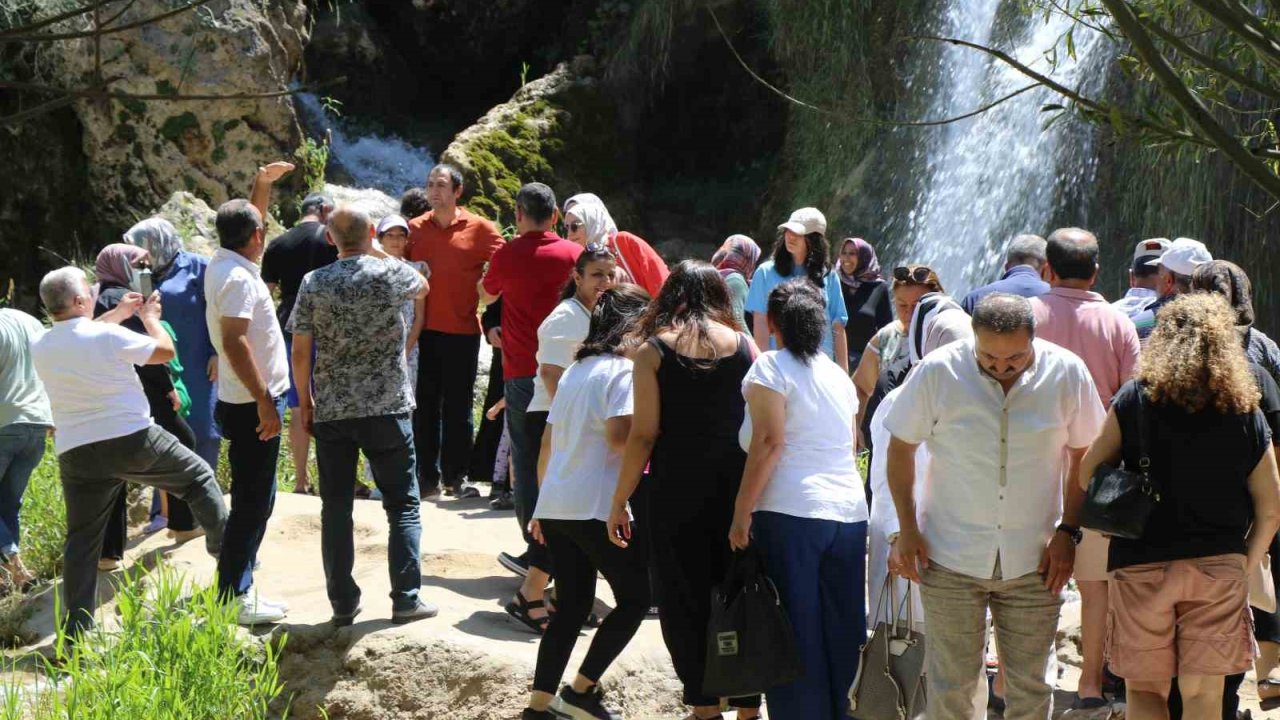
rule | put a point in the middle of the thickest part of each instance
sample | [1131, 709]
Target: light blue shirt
[766, 278]
[22, 396]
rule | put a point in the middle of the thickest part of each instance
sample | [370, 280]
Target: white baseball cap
[805, 221]
[1183, 256]
[392, 221]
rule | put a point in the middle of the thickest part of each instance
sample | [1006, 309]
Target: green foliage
[178, 125]
[312, 159]
[175, 656]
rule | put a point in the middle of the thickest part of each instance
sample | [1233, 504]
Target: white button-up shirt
[233, 287]
[994, 481]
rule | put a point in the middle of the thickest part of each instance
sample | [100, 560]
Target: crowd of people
[646, 423]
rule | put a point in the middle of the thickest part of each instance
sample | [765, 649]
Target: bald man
[361, 401]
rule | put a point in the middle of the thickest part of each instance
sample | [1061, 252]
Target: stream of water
[1000, 173]
[382, 162]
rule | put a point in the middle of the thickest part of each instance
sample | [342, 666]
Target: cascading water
[385, 163]
[1000, 173]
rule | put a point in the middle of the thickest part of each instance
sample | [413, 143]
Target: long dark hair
[799, 312]
[614, 321]
[592, 253]
[692, 298]
[817, 261]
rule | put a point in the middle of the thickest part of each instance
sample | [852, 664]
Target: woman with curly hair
[1179, 593]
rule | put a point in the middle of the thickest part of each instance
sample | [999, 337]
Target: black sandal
[519, 609]
[1272, 702]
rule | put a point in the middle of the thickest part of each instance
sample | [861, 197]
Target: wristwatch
[1072, 532]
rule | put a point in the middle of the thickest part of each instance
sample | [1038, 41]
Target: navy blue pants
[253, 492]
[819, 567]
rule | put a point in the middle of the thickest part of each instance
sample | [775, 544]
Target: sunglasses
[919, 275]
[596, 248]
[574, 227]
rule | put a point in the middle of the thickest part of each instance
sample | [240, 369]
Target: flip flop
[519, 609]
[1089, 703]
[1272, 702]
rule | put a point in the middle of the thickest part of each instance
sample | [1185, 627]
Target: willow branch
[29, 27]
[106, 31]
[1206, 61]
[1249, 30]
[1080, 20]
[1197, 113]
[98, 94]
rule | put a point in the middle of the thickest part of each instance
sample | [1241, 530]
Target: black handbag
[1120, 500]
[750, 644]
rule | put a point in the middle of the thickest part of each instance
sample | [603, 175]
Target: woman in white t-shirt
[578, 467]
[802, 502]
[560, 335]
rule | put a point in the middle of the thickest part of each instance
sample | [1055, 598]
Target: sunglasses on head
[596, 248]
[920, 274]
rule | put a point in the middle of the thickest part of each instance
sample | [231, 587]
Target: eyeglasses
[919, 274]
[574, 227]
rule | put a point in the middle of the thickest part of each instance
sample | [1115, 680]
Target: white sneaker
[282, 605]
[253, 611]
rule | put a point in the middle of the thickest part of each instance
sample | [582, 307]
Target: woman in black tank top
[688, 410]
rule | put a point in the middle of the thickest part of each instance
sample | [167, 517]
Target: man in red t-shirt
[528, 273]
[455, 244]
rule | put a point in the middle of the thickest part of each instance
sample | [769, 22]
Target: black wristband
[1073, 532]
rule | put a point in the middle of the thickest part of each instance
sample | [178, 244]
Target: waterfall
[1000, 173]
[385, 163]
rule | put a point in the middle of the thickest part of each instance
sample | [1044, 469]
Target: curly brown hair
[1195, 360]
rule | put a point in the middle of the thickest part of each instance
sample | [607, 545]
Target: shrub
[174, 657]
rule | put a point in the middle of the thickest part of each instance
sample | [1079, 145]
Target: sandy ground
[471, 661]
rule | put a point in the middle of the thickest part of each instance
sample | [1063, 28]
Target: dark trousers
[580, 548]
[819, 568]
[253, 492]
[692, 510]
[387, 442]
[526, 442]
[442, 425]
[180, 517]
[93, 475]
[485, 451]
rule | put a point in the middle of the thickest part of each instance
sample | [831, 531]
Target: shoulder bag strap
[1144, 442]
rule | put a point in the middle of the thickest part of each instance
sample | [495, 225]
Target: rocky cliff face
[141, 151]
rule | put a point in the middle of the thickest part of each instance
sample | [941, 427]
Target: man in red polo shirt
[455, 244]
[528, 273]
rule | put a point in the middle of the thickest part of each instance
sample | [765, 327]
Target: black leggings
[579, 548]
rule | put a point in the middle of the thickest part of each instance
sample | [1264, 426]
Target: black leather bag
[1120, 500]
[750, 644]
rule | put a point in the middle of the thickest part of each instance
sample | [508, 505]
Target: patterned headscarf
[595, 219]
[114, 265]
[738, 254]
[1228, 280]
[158, 237]
[868, 264]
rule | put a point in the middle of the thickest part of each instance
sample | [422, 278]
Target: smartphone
[144, 283]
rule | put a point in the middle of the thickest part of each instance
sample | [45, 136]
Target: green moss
[137, 107]
[164, 87]
[177, 125]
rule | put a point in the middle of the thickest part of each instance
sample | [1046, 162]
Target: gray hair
[349, 227]
[60, 288]
[1002, 313]
[1026, 250]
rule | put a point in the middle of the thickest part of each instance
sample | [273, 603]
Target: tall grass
[176, 655]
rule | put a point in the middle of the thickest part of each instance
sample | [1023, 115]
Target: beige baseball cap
[806, 220]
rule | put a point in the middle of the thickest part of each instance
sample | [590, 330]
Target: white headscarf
[585, 199]
[930, 331]
[158, 237]
[595, 220]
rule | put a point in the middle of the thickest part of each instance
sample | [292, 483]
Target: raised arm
[267, 176]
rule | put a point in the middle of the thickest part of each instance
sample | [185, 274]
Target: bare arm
[267, 176]
[864, 380]
[1105, 449]
[840, 343]
[550, 376]
[419, 319]
[300, 359]
[640, 441]
[760, 331]
[768, 410]
[1264, 488]
[239, 354]
[910, 552]
[128, 305]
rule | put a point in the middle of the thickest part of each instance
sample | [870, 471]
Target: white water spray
[385, 163]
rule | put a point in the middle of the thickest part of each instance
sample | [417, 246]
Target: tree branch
[106, 31]
[1197, 113]
[93, 94]
[1206, 61]
[1249, 30]
[120, 13]
[36, 111]
[55, 19]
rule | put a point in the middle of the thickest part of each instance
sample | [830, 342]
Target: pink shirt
[1087, 325]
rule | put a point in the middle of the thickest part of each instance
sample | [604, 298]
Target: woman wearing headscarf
[1228, 280]
[635, 256]
[179, 278]
[866, 295]
[736, 260]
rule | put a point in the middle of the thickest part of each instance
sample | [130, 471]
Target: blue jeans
[526, 442]
[253, 492]
[819, 567]
[21, 448]
[387, 441]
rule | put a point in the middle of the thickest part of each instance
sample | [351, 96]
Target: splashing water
[1000, 173]
[385, 163]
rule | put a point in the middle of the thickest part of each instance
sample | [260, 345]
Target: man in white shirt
[105, 436]
[1143, 279]
[1005, 417]
[253, 377]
